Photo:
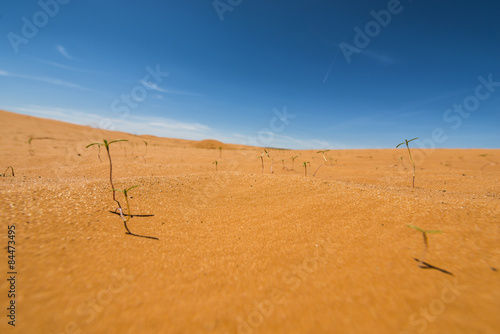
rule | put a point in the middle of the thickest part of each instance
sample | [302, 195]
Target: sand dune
[241, 251]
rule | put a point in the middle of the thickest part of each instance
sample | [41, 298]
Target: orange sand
[240, 251]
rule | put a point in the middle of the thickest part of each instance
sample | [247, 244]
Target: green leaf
[400, 144]
[416, 228]
[99, 144]
[117, 140]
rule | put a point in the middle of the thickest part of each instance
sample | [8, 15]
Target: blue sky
[292, 74]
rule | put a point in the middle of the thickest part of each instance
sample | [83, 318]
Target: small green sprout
[323, 152]
[144, 155]
[262, 159]
[216, 163]
[293, 159]
[106, 144]
[305, 167]
[32, 152]
[283, 161]
[426, 243]
[324, 158]
[220, 151]
[409, 153]
[11, 171]
[120, 210]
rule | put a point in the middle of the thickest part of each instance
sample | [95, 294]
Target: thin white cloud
[170, 125]
[282, 141]
[155, 87]
[331, 66]
[66, 67]
[163, 127]
[62, 50]
[43, 79]
[157, 126]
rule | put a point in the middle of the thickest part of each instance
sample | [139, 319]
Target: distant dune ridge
[242, 250]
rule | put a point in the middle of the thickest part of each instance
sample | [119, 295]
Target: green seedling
[32, 152]
[216, 163]
[293, 159]
[324, 158]
[409, 153]
[426, 243]
[323, 153]
[106, 144]
[283, 161]
[126, 217]
[144, 155]
[262, 159]
[220, 151]
[11, 171]
[120, 210]
[402, 165]
[305, 167]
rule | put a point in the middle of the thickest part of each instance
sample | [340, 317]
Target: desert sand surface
[240, 250]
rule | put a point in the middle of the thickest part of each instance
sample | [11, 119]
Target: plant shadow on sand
[425, 265]
[132, 216]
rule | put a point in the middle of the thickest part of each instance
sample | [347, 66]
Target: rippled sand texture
[240, 251]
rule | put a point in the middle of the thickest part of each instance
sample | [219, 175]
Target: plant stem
[111, 177]
[317, 170]
[11, 169]
[424, 253]
[413, 163]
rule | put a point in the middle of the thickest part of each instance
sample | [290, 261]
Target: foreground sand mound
[241, 251]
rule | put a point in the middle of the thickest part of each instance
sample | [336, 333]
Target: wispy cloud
[66, 67]
[331, 66]
[61, 114]
[380, 58]
[62, 50]
[43, 79]
[174, 125]
[156, 126]
[155, 87]
[283, 141]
